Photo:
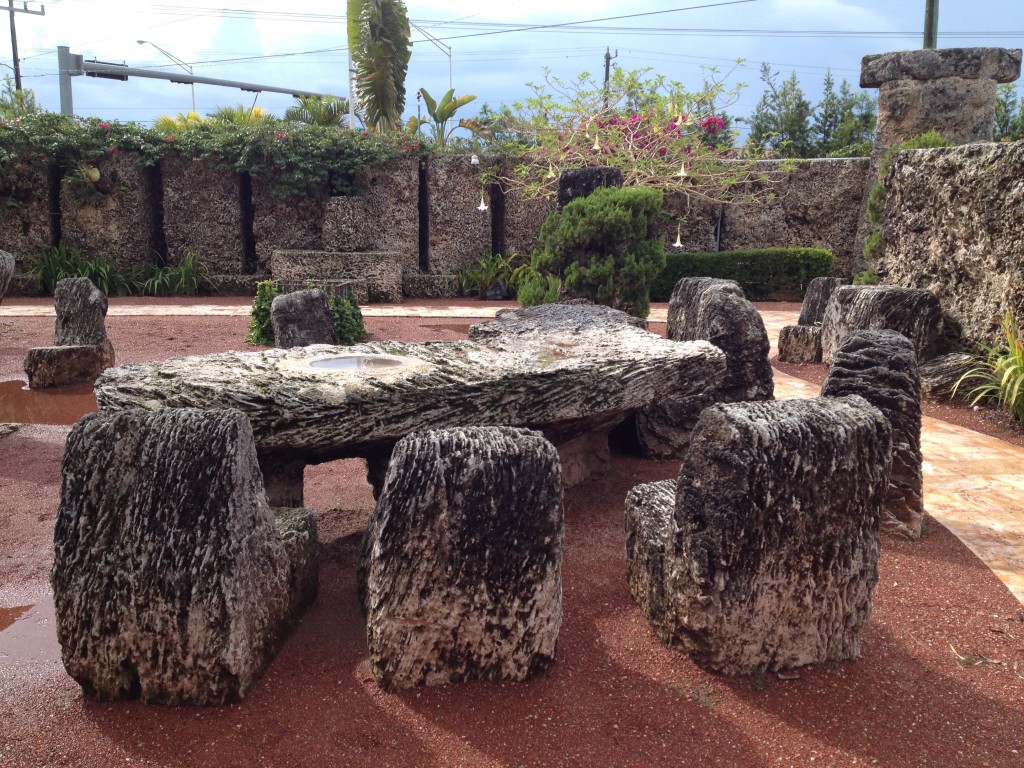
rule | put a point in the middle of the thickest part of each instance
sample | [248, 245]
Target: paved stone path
[973, 484]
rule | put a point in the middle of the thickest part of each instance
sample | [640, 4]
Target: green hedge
[759, 271]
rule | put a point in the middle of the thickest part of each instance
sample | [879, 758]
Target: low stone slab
[881, 367]
[302, 318]
[462, 559]
[382, 270]
[717, 311]
[819, 291]
[567, 383]
[60, 366]
[773, 550]
[173, 582]
[356, 288]
[800, 344]
[6, 272]
[914, 312]
[422, 286]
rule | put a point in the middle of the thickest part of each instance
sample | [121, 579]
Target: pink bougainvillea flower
[278, 135]
[112, 150]
[169, 137]
[104, 125]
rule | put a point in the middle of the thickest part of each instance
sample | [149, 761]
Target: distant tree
[828, 116]
[854, 136]
[1009, 113]
[318, 110]
[15, 103]
[782, 118]
[378, 37]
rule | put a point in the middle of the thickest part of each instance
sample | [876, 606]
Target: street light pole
[179, 62]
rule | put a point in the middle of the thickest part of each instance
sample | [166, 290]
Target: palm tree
[239, 115]
[378, 37]
[316, 110]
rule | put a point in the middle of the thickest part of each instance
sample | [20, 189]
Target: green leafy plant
[441, 113]
[867, 277]
[998, 375]
[490, 270]
[378, 37]
[759, 271]
[54, 264]
[601, 247]
[539, 289]
[183, 279]
[346, 317]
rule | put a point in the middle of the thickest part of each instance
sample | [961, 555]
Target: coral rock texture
[800, 344]
[772, 552]
[911, 311]
[819, 291]
[172, 579]
[461, 574]
[881, 367]
[302, 318]
[6, 272]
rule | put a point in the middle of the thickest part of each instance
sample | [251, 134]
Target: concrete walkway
[973, 484]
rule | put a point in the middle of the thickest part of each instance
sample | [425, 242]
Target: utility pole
[931, 24]
[608, 71]
[14, 36]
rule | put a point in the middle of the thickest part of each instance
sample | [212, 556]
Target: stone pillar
[951, 90]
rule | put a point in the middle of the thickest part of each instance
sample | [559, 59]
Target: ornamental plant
[651, 129]
[601, 248]
[998, 375]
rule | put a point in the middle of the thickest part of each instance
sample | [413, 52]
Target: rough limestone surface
[302, 318]
[202, 215]
[914, 312]
[659, 429]
[800, 344]
[716, 311]
[818, 203]
[951, 90]
[461, 575]
[293, 223]
[81, 348]
[580, 182]
[567, 383]
[819, 291]
[25, 226]
[881, 367]
[459, 231]
[6, 272]
[773, 554]
[382, 270]
[524, 216]
[384, 216]
[649, 514]
[939, 376]
[172, 580]
[955, 227]
[116, 215]
[423, 286]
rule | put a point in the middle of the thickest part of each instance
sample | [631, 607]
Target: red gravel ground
[940, 681]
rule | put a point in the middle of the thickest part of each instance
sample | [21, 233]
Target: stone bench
[763, 554]
[173, 579]
[574, 377]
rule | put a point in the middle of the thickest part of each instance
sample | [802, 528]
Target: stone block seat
[81, 350]
[571, 371]
[763, 554]
[801, 343]
[381, 271]
[173, 579]
[461, 569]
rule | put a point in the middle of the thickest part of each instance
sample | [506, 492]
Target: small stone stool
[461, 572]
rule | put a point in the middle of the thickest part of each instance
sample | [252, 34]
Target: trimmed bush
[759, 271]
[602, 248]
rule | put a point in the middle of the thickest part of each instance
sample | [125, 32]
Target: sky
[496, 48]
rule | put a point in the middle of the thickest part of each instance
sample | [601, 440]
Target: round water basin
[358, 363]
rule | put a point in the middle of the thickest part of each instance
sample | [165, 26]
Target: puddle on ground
[10, 615]
[58, 405]
[31, 635]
